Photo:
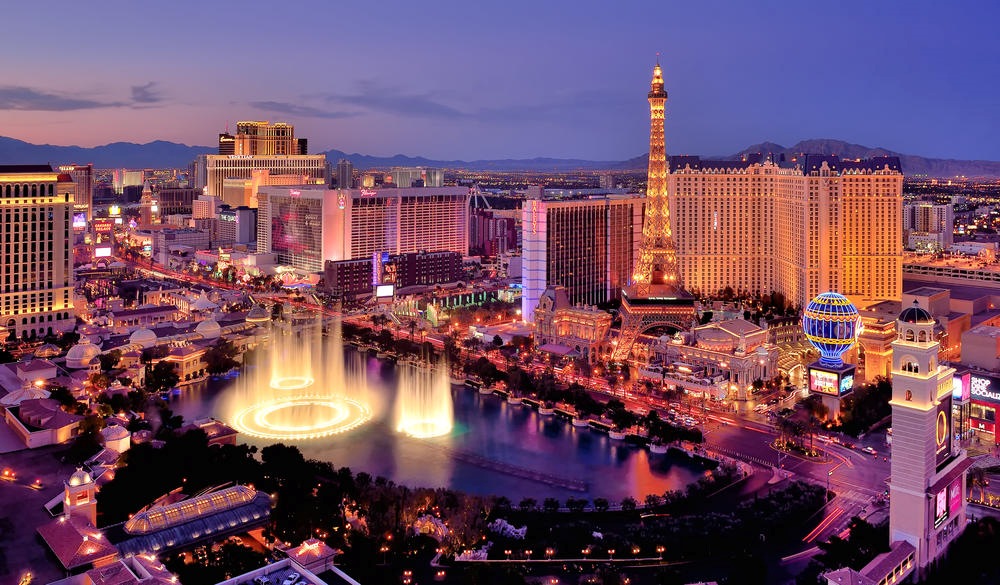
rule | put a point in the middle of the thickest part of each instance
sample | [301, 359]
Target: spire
[656, 86]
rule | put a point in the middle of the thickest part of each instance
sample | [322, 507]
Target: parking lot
[21, 511]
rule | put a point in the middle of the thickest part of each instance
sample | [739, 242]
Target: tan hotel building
[803, 228]
[36, 204]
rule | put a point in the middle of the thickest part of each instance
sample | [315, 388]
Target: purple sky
[468, 80]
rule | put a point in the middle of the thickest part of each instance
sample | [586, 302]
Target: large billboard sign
[940, 507]
[955, 497]
[961, 387]
[983, 389]
[79, 221]
[832, 382]
[942, 431]
[103, 225]
[823, 382]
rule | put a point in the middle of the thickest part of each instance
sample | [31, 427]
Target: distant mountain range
[162, 154]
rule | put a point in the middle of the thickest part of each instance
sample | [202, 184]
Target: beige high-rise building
[801, 228]
[36, 204]
[261, 153]
[83, 176]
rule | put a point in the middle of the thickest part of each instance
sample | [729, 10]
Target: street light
[507, 552]
[549, 553]
[635, 551]
[611, 554]
[527, 554]
[659, 549]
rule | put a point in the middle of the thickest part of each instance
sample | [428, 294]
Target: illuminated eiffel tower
[656, 296]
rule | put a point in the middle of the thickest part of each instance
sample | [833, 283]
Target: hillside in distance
[163, 154]
[913, 165]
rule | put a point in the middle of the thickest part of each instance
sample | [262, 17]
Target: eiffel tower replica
[656, 296]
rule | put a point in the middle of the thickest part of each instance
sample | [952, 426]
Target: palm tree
[412, 326]
[527, 504]
[977, 478]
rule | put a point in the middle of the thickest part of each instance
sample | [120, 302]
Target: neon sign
[369, 192]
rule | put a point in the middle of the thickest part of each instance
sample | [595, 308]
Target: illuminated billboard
[940, 507]
[823, 382]
[961, 387]
[115, 210]
[955, 496]
[79, 221]
[102, 252]
[846, 384]
[942, 431]
[982, 388]
[103, 225]
[384, 290]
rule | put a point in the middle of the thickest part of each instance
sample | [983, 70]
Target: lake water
[495, 448]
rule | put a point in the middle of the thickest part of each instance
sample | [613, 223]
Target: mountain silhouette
[163, 154]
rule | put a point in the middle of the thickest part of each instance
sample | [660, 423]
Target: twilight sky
[513, 78]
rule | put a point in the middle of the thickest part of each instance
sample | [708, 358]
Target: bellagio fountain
[303, 388]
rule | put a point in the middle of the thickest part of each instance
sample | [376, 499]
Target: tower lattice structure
[655, 296]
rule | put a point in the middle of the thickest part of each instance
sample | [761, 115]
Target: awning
[560, 350]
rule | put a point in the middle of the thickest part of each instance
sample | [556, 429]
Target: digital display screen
[102, 252]
[847, 384]
[940, 507]
[114, 210]
[103, 225]
[942, 431]
[823, 382]
[384, 290]
[981, 388]
[79, 221]
[955, 496]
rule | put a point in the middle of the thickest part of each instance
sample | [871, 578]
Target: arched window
[908, 336]
[922, 336]
[909, 395]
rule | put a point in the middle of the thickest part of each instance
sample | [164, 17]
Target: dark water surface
[495, 448]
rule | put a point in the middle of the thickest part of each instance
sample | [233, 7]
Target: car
[870, 451]
[262, 580]
[290, 579]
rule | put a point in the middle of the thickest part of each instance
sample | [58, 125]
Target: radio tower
[656, 296]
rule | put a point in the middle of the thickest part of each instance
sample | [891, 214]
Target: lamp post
[611, 554]
[659, 549]
[549, 553]
[507, 552]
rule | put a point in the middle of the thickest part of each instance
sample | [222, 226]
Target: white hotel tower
[927, 483]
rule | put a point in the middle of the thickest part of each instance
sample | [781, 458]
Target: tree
[412, 326]
[109, 360]
[527, 504]
[497, 342]
[220, 357]
[550, 505]
[629, 504]
[576, 505]
[162, 376]
[601, 504]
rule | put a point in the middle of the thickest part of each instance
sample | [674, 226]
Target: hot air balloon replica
[831, 324]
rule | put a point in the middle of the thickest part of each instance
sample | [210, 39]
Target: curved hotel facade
[801, 228]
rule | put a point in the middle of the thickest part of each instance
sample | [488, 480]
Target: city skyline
[463, 82]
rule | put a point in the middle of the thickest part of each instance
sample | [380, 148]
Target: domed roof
[81, 354]
[258, 314]
[79, 477]
[209, 329]
[916, 314]
[144, 337]
[47, 350]
[114, 433]
[202, 303]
